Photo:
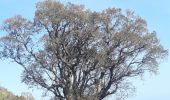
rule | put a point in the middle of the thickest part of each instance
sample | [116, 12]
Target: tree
[78, 54]
[27, 96]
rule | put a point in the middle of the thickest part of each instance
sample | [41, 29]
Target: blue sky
[155, 12]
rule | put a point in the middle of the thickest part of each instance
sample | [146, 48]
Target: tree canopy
[79, 54]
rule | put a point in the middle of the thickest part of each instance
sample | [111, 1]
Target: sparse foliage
[78, 54]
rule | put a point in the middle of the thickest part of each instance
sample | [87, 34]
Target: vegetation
[6, 95]
[78, 54]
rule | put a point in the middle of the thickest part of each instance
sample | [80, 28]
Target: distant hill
[6, 95]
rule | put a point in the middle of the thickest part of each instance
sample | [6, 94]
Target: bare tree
[78, 54]
[27, 96]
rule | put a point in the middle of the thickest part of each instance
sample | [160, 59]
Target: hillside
[6, 95]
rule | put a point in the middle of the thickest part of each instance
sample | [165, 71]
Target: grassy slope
[3, 93]
[2, 96]
[6, 95]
